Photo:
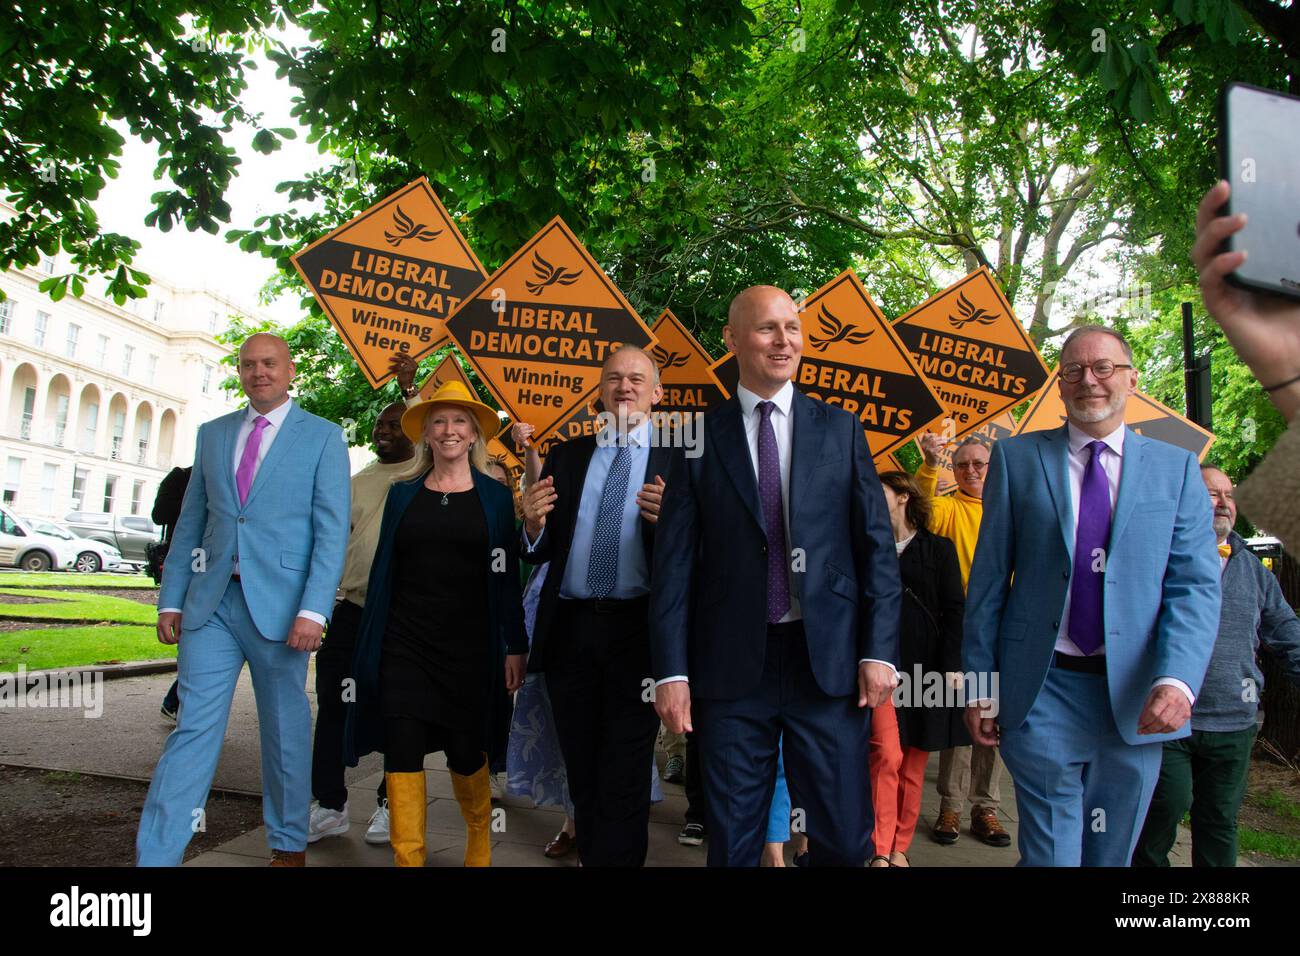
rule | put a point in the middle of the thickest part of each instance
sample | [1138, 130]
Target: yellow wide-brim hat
[452, 393]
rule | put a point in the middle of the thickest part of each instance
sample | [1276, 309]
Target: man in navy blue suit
[776, 600]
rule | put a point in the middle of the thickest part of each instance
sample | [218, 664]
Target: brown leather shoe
[984, 825]
[948, 827]
[561, 846]
[288, 858]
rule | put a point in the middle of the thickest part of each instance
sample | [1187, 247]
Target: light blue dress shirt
[633, 575]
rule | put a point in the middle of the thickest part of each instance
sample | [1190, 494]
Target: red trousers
[897, 776]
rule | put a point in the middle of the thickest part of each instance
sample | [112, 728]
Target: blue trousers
[778, 815]
[1081, 791]
[209, 660]
[825, 763]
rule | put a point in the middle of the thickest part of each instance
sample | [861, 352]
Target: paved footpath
[127, 739]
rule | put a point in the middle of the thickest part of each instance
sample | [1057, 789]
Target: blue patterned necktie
[769, 495]
[1086, 619]
[602, 568]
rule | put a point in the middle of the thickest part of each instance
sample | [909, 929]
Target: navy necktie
[769, 494]
[602, 567]
[1086, 627]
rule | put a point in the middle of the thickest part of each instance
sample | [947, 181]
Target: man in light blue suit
[251, 576]
[1094, 598]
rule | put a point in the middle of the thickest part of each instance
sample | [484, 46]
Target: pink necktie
[248, 461]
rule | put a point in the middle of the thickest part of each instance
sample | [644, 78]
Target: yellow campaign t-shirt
[956, 517]
[369, 492]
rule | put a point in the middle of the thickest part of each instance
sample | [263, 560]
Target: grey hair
[1090, 329]
[633, 348]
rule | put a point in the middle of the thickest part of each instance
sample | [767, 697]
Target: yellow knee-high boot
[407, 805]
[474, 795]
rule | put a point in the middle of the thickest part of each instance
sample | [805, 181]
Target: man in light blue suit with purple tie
[1094, 597]
[251, 576]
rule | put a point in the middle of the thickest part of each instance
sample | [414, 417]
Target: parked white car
[22, 546]
[92, 555]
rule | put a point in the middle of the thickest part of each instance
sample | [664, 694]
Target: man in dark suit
[776, 600]
[592, 515]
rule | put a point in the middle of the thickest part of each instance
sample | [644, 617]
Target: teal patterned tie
[602, 569]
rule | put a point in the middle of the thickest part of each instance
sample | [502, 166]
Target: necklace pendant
[444, 497]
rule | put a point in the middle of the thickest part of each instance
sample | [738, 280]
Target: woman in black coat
[922, 716]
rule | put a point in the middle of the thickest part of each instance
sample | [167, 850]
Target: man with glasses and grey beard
[1094, 596]
[964, 772]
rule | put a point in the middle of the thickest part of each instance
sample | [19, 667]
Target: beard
[1090, 415]
[1222, 525]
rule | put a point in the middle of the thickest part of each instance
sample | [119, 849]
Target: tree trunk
[1281, 701]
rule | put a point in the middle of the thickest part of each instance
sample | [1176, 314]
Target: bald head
[265, 370]
[763, 330]
[755, 301]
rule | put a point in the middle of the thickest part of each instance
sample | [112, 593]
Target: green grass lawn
[75, 646]
[1276, 845]
[77, 606]
[22, 579]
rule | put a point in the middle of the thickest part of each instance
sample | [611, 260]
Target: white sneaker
[377, 833]
[496, 786]
[325, 822]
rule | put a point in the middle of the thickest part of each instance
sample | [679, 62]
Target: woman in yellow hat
[442, 641]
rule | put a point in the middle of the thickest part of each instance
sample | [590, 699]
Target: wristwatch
[410, 392]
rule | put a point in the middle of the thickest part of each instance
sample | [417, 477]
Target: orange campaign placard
[1004, 426]
[887, 462]
[853, 358]
[539, 328]
[972, 349]
[1144, 415]
[727, 372]
[690, 387]
[389, 279]
[501, 445]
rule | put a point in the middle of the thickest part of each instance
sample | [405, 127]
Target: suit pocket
[295, 560]
[841, 583]
[1014, 630]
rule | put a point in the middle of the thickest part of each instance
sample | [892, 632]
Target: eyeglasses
[970, 466]
[1104, 369]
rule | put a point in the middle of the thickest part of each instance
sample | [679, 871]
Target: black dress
[436, 664]
[929, 635]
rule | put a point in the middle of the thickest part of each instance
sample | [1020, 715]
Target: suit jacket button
[241, 520]
[1056, 624]
[765, 549]
[1065, 574]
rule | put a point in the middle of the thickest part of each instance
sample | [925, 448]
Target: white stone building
[97, 401]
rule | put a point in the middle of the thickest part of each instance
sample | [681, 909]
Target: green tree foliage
[169, 71]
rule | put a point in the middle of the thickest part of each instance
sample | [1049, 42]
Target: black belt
[608, 605]
[1082, 665]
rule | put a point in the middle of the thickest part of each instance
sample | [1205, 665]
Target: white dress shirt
[782, 419]
[275, 419]
[1112, 462]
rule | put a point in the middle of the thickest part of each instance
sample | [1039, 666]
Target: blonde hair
[423, 458]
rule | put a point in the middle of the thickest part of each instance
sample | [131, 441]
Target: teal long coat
[364, 728]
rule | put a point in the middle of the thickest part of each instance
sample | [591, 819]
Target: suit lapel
[733, 450]
[1053, 451]
[804, 450]
[228, 463]
[583, 449]
[290, 432]
[1131, 472]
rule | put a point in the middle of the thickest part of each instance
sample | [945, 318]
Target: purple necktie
[769, 494]
[1085, 626]
[248, 461]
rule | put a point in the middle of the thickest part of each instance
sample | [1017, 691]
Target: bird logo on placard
[548, 274]
[666, 360]
[407, 228]
[836, 331]
[970, 313]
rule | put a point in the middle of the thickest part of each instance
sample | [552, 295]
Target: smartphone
[1259, 156]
